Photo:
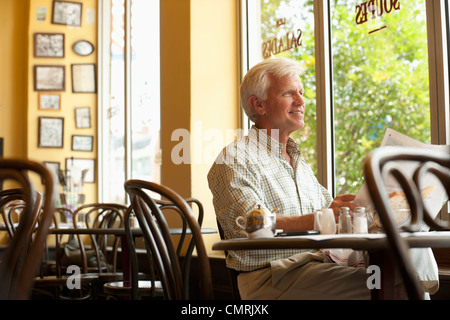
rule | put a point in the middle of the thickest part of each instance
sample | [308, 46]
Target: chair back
[159, 242]
[387, 163]
[101, 216]
[22, 258]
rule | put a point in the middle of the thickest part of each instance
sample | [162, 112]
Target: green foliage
[380, 80]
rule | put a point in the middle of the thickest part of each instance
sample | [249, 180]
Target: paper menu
[433, 192]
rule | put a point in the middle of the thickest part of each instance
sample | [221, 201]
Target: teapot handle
[240, 221]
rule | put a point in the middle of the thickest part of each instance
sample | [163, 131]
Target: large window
[368, 66]
[380, 79]
[286, 29]
[129, 113]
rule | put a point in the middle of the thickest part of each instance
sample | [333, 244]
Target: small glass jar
[360, 220]
[345, 220]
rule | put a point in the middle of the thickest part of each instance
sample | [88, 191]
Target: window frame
[438, 50]
[104, 76]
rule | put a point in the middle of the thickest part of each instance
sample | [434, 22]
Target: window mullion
[104, 60]
[127, 91]
[438, 72]
[325, 157]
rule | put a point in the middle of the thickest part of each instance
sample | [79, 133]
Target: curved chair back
[387, 163]
[21, 260]
[159, 242]
[102, 216]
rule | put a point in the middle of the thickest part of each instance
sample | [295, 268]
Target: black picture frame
[49, 45]
[84, 78]
[67, 13]
[83, 117]
[82, 143]
[49, 78]
[51, 132]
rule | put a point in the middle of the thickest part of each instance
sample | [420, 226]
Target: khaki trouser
[306, 277]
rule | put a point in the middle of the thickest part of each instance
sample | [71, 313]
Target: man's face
[284, 107]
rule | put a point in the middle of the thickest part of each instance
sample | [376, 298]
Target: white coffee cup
[324, 221]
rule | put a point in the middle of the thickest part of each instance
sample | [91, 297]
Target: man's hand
[344, 200]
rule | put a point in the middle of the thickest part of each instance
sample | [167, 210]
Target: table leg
[384, 260]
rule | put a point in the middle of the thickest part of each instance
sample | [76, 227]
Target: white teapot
[258, 223]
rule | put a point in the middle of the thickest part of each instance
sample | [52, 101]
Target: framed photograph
[82, 117]
[83, 164]
[82, 143]
[49, 78]
[49, 45]
[51, 132]
[83, 78]
[54, 167]
[49, 101]
[67, 13]
[83, 48]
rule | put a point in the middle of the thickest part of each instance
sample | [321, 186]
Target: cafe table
[120, 232]
[376, 244]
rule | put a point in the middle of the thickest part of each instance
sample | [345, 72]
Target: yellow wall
[13, 89]
[175, 89]
[199, 87]
[199, 91]
[69, 100]
[214, 92]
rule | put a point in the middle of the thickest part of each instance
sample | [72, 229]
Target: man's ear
[256, 105]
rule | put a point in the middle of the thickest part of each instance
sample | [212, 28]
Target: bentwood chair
[103, 247]
[160, 242]
[96, 255]
[22, 258]
[11, 205]
[387, 163]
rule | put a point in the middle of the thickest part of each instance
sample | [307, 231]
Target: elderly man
[266, 168]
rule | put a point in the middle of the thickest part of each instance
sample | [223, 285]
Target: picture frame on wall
[83, 48]
[54, 167]
[49, 101]
[83, 78]
[50, 132]
[82, 143]
[49, 78]
[82, 117]
[49, 45]
[83, 164]
[67, 13]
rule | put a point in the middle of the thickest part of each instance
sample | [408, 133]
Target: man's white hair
[257, 80]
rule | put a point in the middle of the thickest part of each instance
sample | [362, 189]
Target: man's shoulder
[236, 149]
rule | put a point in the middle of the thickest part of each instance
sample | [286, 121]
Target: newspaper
[433, 192]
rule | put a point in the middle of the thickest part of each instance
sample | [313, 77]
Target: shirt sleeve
[235, 192]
